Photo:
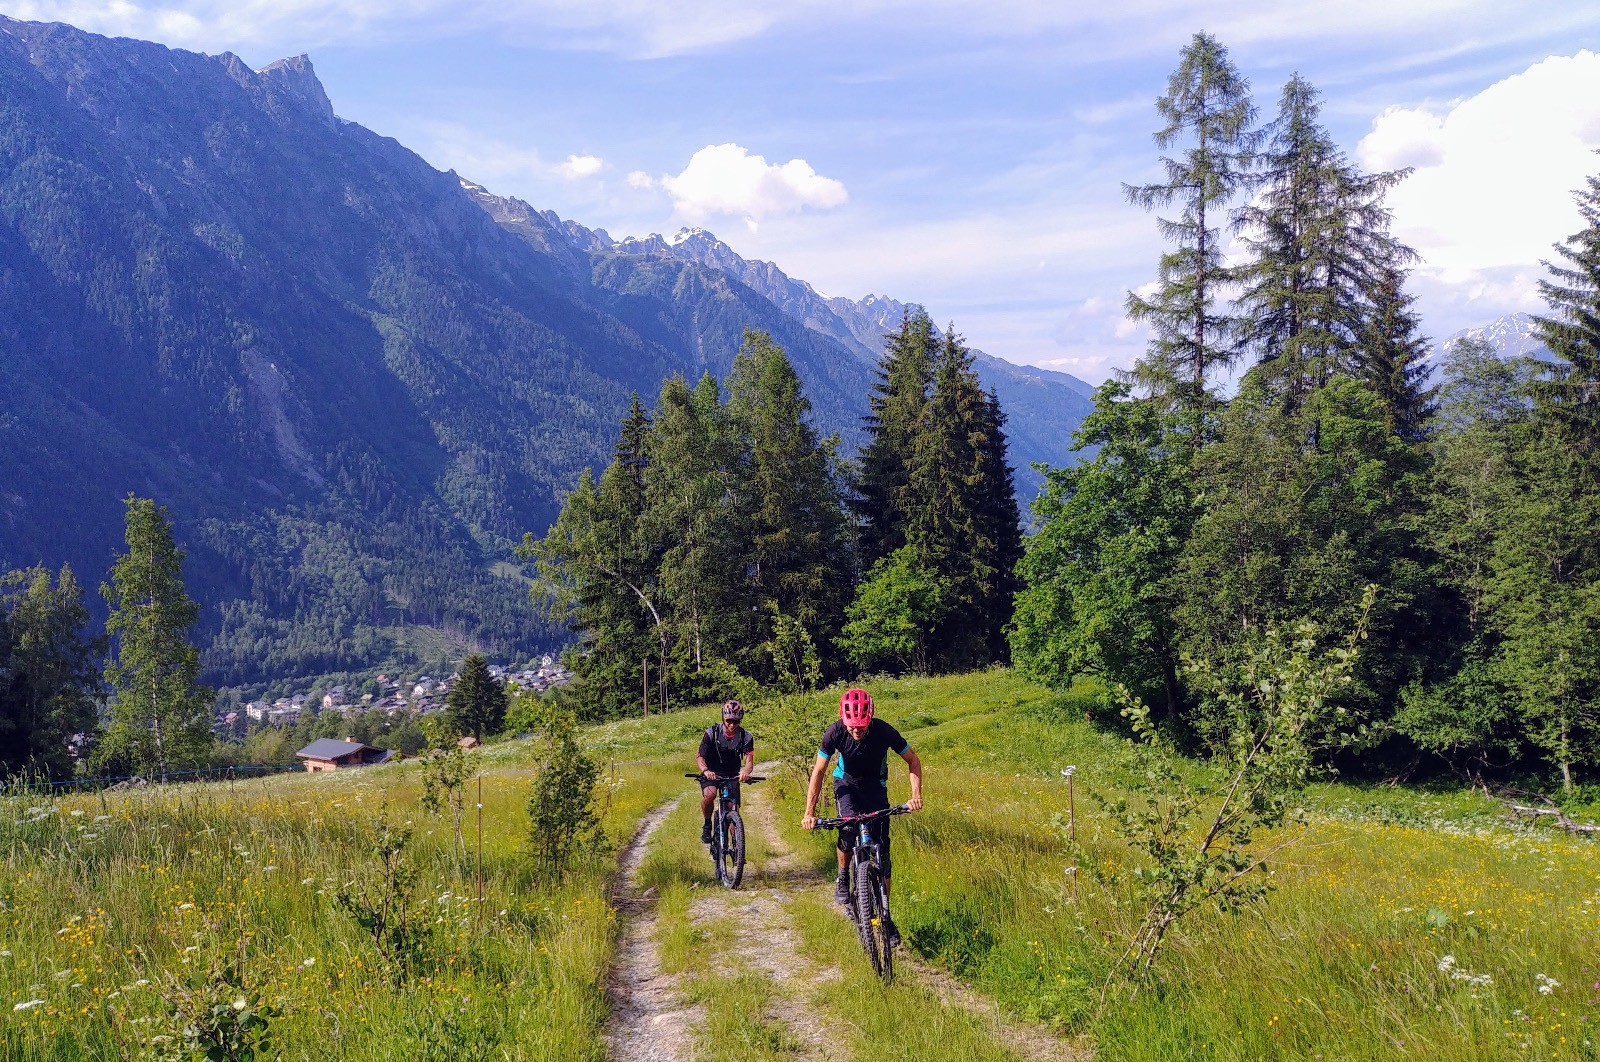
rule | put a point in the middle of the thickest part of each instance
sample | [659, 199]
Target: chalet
[330, 754]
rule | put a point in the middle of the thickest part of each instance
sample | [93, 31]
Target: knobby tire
[869, 920]
[716, 847]
[733, 850]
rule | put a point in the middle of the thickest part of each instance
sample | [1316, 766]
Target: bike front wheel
[732, 858]
[869, 918]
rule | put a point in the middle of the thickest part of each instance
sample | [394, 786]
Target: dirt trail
[764, 935]
[649, 1022]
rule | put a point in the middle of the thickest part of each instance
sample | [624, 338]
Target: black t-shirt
[723, 754]
[863, 765]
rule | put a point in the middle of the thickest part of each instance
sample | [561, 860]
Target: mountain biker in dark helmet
[721, 750]
[861, 780]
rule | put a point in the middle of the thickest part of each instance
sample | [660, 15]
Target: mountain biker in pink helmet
[721, 750]
[861, 779]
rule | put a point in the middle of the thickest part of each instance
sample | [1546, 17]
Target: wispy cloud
[649, 28]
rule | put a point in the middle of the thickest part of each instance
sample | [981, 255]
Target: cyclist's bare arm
[819, 771]
[914, 766]
[704, 770]
[749, 766]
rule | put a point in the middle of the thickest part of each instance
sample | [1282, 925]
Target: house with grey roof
[331, 754]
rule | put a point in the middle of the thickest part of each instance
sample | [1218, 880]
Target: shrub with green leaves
[562, 818]
[1275, 713]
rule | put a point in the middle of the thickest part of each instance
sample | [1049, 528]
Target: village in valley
[376, 707]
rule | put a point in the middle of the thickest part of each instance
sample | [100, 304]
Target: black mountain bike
[727, 831]
[869, 901]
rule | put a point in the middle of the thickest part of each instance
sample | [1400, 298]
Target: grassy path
[772, 971]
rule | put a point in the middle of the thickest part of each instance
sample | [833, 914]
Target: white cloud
[577, 166]
[641, 180]
[726, 180]
[1495, 172]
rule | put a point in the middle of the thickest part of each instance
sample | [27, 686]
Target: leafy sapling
[1201, 841]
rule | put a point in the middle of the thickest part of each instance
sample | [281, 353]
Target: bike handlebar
[834, 824]
[731, 778]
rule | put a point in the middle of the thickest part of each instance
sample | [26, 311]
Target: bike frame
[724, 807]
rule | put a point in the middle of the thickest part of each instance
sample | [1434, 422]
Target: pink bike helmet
[855, 708]
[732, 712]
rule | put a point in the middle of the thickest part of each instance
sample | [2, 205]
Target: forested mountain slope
[351, 387]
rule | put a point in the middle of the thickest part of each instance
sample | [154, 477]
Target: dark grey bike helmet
[732, 712]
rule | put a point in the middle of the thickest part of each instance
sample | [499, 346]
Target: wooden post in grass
[1072, 831]
[480, 850]
[647, 687]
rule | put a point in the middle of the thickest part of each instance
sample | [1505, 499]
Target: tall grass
[112, 905]
[1374, 943]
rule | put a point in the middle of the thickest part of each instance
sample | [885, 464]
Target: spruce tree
[895, 407]
[160, 714]
[946, 526]
[1001, 523]
[49, 670]
[597, 571]
[1207, 107]
[799, 562]
[477, 700]
[693, 509]
[1391, 360]
[1567, 394]
[1318, 241]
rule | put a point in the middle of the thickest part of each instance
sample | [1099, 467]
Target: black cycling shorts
[853, 803]
[733, 788]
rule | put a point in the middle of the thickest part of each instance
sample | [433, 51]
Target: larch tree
[1207, 109]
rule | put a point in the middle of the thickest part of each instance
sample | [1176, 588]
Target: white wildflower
[77, 812]
[186, 907]
[1547, 985]
[312, 961]
[1446, 963]
[29, 1005]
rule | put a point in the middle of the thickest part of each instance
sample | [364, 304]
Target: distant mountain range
[353, 379]
[1511, 336]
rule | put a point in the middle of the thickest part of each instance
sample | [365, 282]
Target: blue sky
[967, 154]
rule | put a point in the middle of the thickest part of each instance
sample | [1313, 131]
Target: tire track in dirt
[1028, 1040]
[649, 1021]
[764, 935]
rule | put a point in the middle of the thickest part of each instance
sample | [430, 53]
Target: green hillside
[1405, 922]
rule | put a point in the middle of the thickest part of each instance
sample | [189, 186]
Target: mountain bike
[869, 900]
[727, 831]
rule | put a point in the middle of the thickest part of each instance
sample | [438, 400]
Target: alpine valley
[353, 380]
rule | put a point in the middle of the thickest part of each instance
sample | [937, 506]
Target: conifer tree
[49, 678]
[799, 561]
[477, 700]
[160, 714]
[1002, 524]
[895, 407]
[1318, 241]
[946, 528]
[1567, 394]
[1207, 106]
[1392, 357]
[692, 492]
[597, 571]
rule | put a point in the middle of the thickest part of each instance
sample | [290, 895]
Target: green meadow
[1405, 924]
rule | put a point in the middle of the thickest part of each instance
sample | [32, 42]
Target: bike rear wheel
[732, 860]
[869, 919]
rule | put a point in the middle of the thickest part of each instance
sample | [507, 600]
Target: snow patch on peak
[468, 185]
[683, 235]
